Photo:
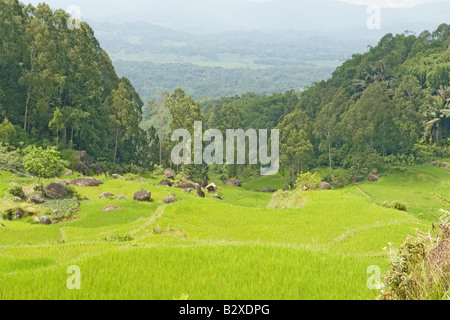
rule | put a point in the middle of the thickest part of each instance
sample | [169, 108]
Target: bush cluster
[420, 268]
[308, 181]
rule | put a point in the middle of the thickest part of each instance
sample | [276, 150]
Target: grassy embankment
[212, 249]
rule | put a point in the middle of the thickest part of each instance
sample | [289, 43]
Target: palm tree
[370, 75]
[439, 126]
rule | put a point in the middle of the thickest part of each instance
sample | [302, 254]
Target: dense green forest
[215, 82]
[386, 108]
[58, 87]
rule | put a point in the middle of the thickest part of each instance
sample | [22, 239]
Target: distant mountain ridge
[202, 16]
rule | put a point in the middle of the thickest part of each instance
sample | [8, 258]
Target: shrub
[11, 160]
[397, 205]
[45, 163]
[308, 181]
[7, 131]
[158, 170]
[340, 178]
[134, 169]
[72, 192]
[118, 238]
[420, 268]
[16, 191]
[132, 177]
[279, 200]
[398, 162]
[283, 199]
[72, 158]
[425, 153]
[14, 213]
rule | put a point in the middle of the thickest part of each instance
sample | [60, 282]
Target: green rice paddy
[206, 248]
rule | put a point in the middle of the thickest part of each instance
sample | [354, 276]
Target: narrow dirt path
[359, 189]
[159, 213]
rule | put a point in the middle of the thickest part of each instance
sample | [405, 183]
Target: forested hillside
[214, 82]
[387, 107]
[58, 87]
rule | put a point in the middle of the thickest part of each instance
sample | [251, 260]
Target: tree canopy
[57, 83]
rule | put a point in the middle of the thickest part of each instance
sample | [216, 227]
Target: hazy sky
[385, 3]
[225, 15]
[127, 3]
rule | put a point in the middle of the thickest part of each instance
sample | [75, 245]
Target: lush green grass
[212, 249]
[418, 188]
[319, 224]
[275, 182]
[231, 271]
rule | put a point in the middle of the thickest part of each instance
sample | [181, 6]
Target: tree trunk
[27, 103]
[115, 148]
[26, 107]
[160, 143]
[330, 158]
[160, 152]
